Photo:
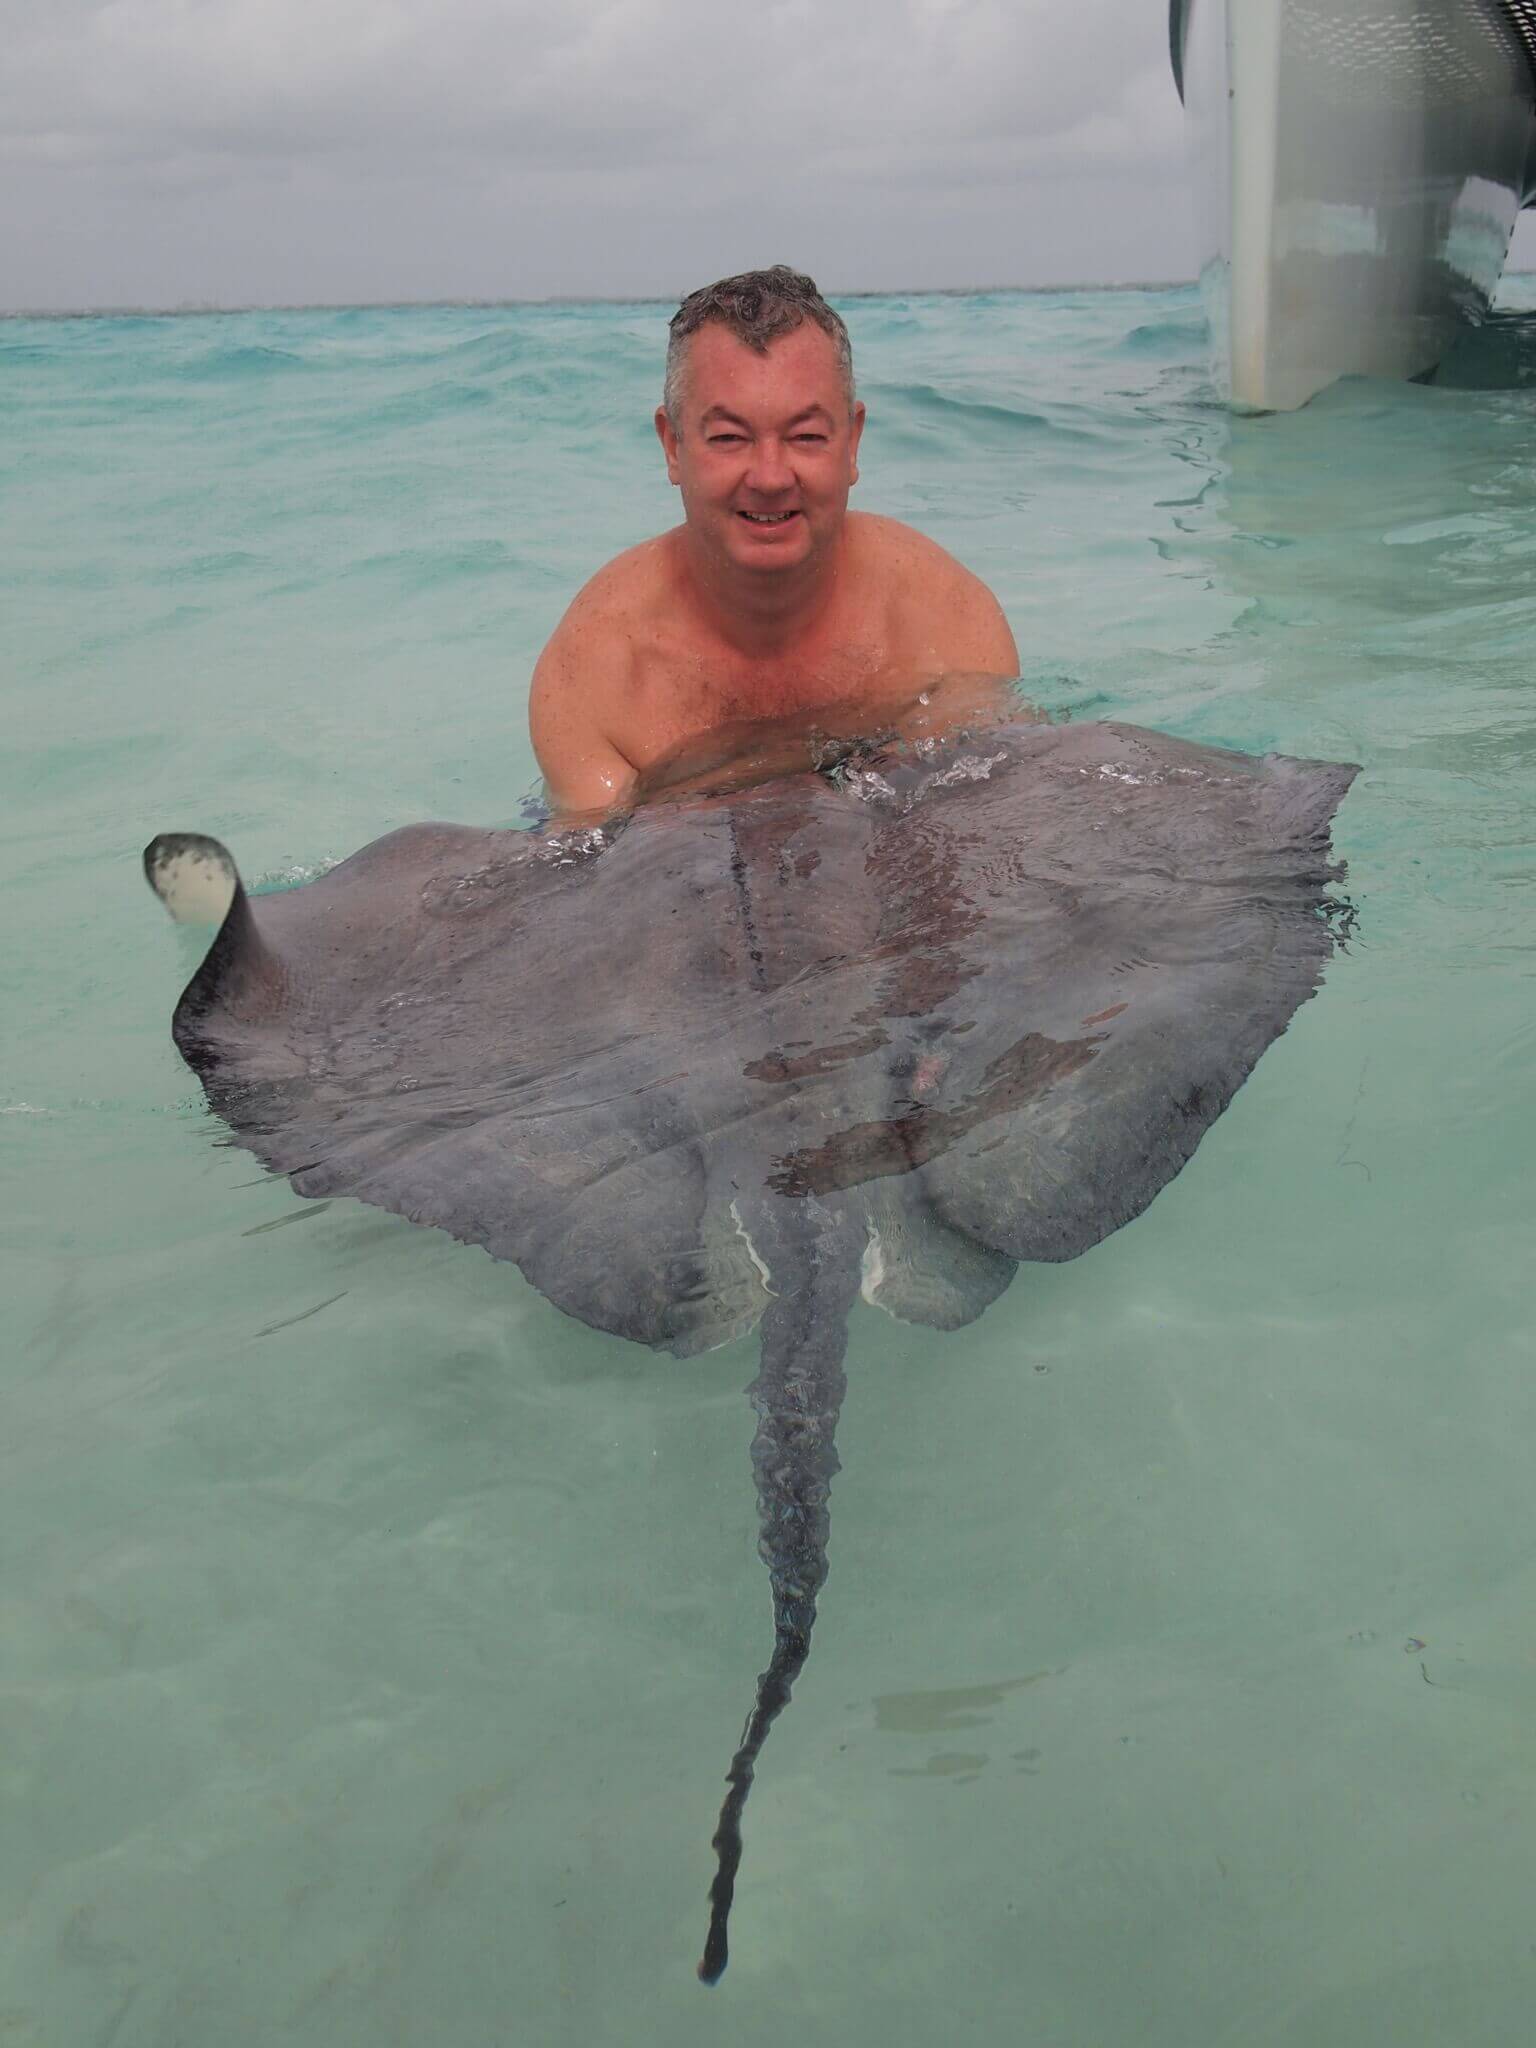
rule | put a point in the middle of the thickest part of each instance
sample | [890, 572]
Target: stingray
[886, 1026]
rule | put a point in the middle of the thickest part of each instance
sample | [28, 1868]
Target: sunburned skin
[770, 602]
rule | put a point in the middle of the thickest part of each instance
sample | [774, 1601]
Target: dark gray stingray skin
[895, 1027]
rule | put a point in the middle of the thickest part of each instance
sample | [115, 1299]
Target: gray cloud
[160, 151]
[680, 79]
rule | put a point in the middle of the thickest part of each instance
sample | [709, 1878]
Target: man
[771, 602]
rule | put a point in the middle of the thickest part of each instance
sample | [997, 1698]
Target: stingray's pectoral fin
[919, 1270]
[242, 980]
[193, 875]
[813, 1253]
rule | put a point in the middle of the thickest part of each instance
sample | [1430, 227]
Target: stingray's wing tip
[194, 876]
[710, 1972]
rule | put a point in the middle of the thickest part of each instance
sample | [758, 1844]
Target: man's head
[757, 307]
[759, 420]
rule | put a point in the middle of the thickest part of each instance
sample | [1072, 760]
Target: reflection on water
[937, 1713]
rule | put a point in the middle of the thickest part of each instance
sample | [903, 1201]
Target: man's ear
[666, 433]
[855, 435]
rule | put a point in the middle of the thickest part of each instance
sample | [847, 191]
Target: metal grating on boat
[1521, 16]
[1518, 15]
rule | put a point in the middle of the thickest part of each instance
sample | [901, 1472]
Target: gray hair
[758, 307]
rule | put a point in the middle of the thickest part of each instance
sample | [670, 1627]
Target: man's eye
[724, 440]
[816, 440]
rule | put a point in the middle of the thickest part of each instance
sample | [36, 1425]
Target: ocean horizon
[193, 307]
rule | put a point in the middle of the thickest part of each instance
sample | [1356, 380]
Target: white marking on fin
[194, 878]
[873, 1271]
[763, 1273]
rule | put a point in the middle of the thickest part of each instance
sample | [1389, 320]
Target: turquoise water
[374, 1638]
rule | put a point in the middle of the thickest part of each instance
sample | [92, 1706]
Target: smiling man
[772, 602]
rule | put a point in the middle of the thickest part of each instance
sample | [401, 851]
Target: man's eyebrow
[722, 412]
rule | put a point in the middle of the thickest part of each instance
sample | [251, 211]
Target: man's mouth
[769, 518]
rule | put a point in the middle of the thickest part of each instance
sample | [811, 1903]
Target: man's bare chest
[674, 698]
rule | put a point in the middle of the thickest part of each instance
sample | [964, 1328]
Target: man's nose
[770, 471]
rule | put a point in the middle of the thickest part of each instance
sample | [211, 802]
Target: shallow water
[374, 1638]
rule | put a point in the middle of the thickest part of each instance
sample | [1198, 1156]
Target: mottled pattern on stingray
[888, 1028]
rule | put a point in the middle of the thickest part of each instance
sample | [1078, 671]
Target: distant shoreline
[195, 311]
[199, 311]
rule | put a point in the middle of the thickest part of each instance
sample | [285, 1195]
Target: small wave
[1166, 337]
[487, 353]
[200, 568]
[420, 568]
[484, 354]
[927, 399]
[420, 407]
[251, 359]
[917, 411]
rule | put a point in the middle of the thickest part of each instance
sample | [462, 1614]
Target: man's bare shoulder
[608, 625]
[624, 594]
[941, 607]
[892, 543]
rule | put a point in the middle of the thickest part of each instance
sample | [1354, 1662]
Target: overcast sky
[160, 152]
[167, 152]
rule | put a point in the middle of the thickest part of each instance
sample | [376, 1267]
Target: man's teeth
[768, 518]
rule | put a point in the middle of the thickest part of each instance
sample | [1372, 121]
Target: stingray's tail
[815, 1271]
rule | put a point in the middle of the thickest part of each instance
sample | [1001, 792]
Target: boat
[1358, 167]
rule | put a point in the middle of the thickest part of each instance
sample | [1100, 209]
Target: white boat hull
[1358, 168]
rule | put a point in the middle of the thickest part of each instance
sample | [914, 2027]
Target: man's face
[767, 452]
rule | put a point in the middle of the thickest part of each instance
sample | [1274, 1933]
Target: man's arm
[583, 770]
